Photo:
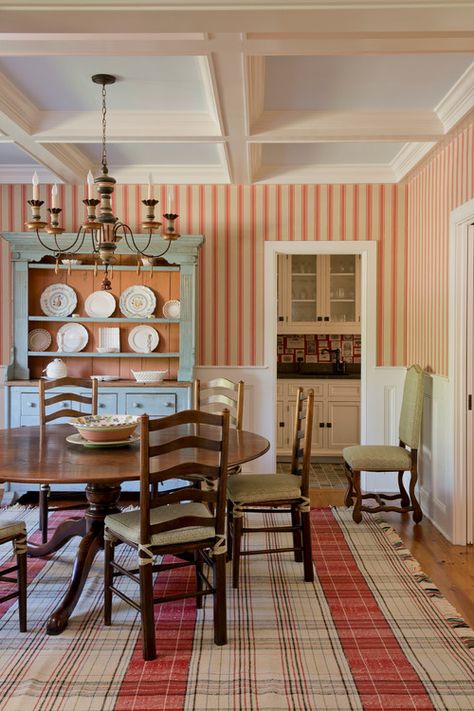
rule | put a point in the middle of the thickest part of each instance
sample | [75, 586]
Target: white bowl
[148, 376]
[71, 262]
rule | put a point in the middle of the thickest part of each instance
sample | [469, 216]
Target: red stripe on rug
[161, 684]
[384, 677]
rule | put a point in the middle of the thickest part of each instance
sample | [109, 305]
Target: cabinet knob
[326, 318]
[136, 404]
[281, 424]
[65, 404]
[281, 318]
[168, 404]
[321, 424]
[329, 424]
[102, 404]
[31, 404]
[319, 318]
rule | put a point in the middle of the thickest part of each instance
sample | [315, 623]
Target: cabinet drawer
[107, 404]
[29, 404]
[150, 404]
[316, 385]
[348, 390]
[29, 420]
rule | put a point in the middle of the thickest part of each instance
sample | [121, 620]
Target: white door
[469, 352]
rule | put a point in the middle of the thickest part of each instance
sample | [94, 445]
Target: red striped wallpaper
[442, 183]
[236, 221]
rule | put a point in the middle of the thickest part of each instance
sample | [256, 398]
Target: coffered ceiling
[232, 92]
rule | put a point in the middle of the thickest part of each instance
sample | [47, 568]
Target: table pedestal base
[103, 500]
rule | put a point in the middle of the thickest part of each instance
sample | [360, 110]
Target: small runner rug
[372, 632]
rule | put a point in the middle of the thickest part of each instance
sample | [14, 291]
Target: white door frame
[460, 219]
[368, 311]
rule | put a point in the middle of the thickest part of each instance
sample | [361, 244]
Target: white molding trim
[458, 101]
[455, 423]
[12, 174]
[368, 253]
[408, 157]
[325, 174]
[184, 174]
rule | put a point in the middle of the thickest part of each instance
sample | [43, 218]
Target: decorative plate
[72, 338]
[39, 339]
[58, 300]
[172, 309]
[143, 339]
[77, 439]
[137, 301]
[100, 304]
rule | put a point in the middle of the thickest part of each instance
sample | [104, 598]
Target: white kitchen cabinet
[319, 293]
[336, 419]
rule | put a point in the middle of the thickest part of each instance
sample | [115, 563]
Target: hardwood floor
[450, 567]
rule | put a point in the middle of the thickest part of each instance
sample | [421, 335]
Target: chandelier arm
[59, 249]
[127, 233]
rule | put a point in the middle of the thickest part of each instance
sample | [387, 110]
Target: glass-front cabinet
[319, 293]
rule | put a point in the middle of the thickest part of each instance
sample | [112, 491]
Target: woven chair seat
[127, 525]
[377, 458]
[248, 488]
[10, 528]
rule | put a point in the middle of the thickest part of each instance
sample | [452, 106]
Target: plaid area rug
[372, 632]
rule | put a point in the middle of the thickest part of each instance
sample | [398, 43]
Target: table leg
[64, 532]
[102, 500]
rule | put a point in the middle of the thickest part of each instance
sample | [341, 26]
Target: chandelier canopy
[103, 228]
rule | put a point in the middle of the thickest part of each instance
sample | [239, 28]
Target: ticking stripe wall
[443, 183]
[236, 221]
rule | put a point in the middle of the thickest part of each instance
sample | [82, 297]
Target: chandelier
[104, 229]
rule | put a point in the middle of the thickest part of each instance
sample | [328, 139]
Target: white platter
[172, 308]
[137, 301]
[106, 378]
[39, 339]
[143, 339]
[58, 300]
[72, 338]
[77, 439]
[100, 304]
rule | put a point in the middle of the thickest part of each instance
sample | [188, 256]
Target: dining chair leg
[357, 514]
[230, 528]
[146, 609]
[307, 548]
[236, 550]
[21, 577]
[417, 512]
[348, 499]
[404, 498]
[108, 581]
[199, 570]
[43, 511]
[297, 538]
[220, 607]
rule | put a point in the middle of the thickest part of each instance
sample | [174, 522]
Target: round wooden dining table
[26, 456]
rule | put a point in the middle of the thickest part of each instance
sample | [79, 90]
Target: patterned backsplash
[309, 348]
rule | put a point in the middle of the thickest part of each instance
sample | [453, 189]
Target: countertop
[318, 376]
[320, 371]
[113, 384]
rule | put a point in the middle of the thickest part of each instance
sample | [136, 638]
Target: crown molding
[173, 174]
[408, 157]
[458, 101]
[13, 174]
[326, 174]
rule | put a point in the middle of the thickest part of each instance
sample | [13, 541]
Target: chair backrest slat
[181, 455]
[302, 437]
[47, 400]
[210, 397]
[412, 407]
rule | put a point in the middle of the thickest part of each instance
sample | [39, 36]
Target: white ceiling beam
[458, 101]
[317, 126]
[229, 75]
[319, 173]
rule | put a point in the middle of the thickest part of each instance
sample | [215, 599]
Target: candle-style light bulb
[150, 187]
[35, 183]
[90, 185]
[54, 196]
[169, 203]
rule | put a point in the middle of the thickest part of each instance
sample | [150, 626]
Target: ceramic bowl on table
[149, 376]
[105, 428]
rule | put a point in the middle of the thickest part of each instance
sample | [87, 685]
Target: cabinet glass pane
[342, 296]
[303, 287]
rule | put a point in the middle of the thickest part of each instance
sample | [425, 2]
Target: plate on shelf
[77, 439]
[72, 338]
[100, 304]
[58, 300]
[137, 301]
[39, 339]
[143, 339]
[172, 309]
[105, 378]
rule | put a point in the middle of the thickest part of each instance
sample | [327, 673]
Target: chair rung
[125, 598]
[10, 596]
[376, 509]
[274, 529]
[266, 509]
[181, 596]
[7, 571]
[123, 571]
[270, 550]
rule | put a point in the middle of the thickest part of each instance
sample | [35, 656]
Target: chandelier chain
[104, 129]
